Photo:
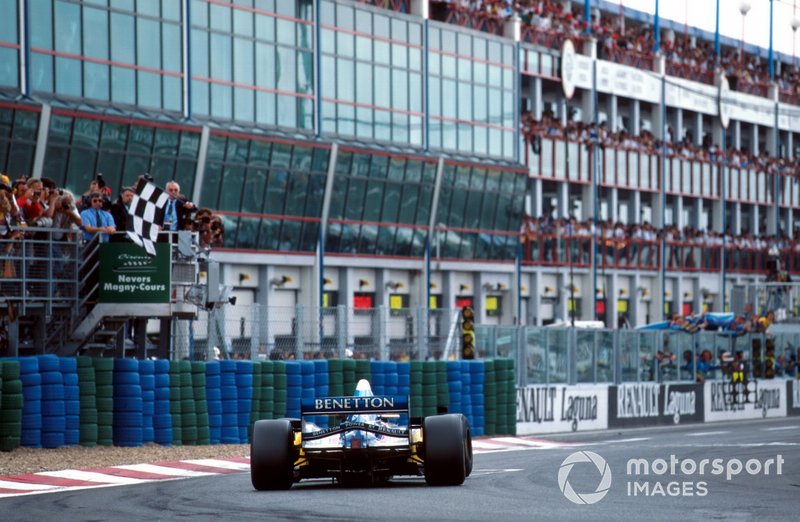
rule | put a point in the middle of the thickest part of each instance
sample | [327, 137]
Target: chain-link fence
[256, 332]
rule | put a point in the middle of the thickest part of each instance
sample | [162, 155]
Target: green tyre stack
[336, 377]
[442, 389]
[349, 376]
[188, 408]
[11, 402]
[280, 380]
[363, 371]
[429, 388]
[87, 386]
[175, 402]
[417, 406]
[200, 403]
[104, 387]
[267, 396]
[490, 397]
[506, 397]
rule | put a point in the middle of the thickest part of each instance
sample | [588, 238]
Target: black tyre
[445, 452]
[467, 434]
[272, 455]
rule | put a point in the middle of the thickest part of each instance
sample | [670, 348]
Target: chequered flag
[145, 215]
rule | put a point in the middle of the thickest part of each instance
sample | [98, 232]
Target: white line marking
[224, 464]
[778, 428]
[91, 476]
[164, 470]
[523, 442]
[480, 444]
[704, 433]
[10, 484]
[484, 472]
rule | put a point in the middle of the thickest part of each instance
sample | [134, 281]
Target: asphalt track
[505, 485]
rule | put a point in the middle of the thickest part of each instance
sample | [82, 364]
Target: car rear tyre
[271, 455]
[467, 434]
[445, 451]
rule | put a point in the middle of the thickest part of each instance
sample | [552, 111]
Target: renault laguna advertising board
[558, 408]
[727, 400]
[650, 404]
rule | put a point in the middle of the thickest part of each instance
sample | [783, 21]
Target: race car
[362, 438]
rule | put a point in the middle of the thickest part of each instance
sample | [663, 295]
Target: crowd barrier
[48, 401]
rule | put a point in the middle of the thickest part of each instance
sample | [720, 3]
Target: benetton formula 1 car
[358, 439]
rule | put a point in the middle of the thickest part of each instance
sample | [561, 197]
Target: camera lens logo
[584, 498]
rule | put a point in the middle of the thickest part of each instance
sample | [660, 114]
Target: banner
[559, 408]
[651, 404]
[129, 275]
[726, 400]
[793, 394]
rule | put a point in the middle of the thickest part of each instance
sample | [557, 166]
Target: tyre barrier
[72, 400]
[128, 403]
[244, 402]
[87, 386]
[31, 421]
[54, 401]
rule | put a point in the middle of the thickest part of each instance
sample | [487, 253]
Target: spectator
[119, 211]
[177, 213]
[96, 220]
[97, 185]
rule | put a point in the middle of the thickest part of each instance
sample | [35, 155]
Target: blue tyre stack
[31, 434]
[72, 401]
[175, 402]
[454, 384]
[188, 410]
[127, 403]
[244, 384]
[307, 380]
[87, 387]
[404, 384]
[476, 390]
[54, 422]
[391, 379]
[162, 418]
[377, 377]
[294, 388]
[214, 401]
[147, 378]
[321, 384]
[200, 403]
[229, 433]
[466, 391]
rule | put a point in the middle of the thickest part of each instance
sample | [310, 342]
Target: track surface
[511, 484]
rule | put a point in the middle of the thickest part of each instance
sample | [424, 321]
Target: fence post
[617, 362]
[572, 352]
[254, 340]
[423, 333]
[298, 331]
[341, 330]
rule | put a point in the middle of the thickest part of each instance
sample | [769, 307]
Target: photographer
[97, 185]
[66, 219]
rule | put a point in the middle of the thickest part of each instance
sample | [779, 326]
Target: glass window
[391, 203]
[276, 191]
[199, 54]
[221, 101]
[296, 198]
[114, 136]
[68, 77]
[253, 195]
[140, 139]
[221, 59]
[372, 210]
[286, 75]
[68, 28]
[41, 71]
[170, 47]
[220, 17]
[95, 37]
[26, 124]
[148, 89]
[41, 25]
[86, 132]
[316, 193]
[408, 204]
[355, 199]
[122, 39]
[9, 72]
[232, 184]
[148, 43]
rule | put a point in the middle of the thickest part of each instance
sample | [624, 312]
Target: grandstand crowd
[549, 22]
[29, 205]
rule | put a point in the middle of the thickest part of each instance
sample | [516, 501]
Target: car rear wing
[376, 405]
